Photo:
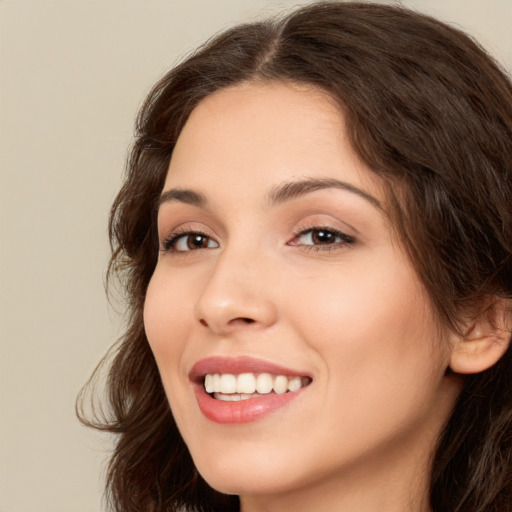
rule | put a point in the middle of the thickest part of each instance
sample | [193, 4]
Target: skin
[352, 315]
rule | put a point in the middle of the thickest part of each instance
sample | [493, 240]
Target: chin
[251, 483]
[247, 473]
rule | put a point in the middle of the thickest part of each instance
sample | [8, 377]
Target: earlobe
[484, 341]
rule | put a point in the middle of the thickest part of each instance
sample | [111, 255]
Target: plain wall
[72, 76]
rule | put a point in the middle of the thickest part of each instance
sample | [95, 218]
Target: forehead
[260, 134]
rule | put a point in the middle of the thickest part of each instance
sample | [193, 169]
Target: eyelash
[169, 244]
[346, 240]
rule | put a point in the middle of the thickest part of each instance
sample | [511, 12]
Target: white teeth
[208, 383]
[294, 384]
[246, 383]
[216, 382]
[227, 383]
[235, 397]
[230, 387]
[281, 384]
[264, 383]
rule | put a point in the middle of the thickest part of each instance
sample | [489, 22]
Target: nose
[237, 294]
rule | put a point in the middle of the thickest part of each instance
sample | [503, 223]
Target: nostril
[241, 320]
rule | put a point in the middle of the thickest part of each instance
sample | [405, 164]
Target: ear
[484, 340]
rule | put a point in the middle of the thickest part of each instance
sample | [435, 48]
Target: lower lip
[242, 411]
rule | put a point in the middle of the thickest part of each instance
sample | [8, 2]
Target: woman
[315, 235]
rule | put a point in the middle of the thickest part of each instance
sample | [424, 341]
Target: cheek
[378, 342]
[163, 320]
[373, 328]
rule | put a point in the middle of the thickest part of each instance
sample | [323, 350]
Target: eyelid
[346, 239]
[183, 230]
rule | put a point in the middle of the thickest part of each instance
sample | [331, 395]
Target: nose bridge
[236, 292]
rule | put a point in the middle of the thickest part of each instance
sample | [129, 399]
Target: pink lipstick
[243, 389]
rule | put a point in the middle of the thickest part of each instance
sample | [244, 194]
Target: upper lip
[237, 365]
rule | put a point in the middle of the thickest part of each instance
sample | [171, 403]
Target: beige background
[72, 75]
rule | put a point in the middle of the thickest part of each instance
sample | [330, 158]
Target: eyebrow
[294, 189]
[280, 194]
[183, 196]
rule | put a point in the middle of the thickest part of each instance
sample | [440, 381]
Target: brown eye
[322, 236]
[185, 242]
[196, 241]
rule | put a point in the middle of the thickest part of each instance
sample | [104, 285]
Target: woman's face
[277, 259]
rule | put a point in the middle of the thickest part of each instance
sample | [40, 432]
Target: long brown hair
[430, 113]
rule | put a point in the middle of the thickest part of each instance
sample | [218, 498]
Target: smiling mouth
[238, 390]
[231, 387]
